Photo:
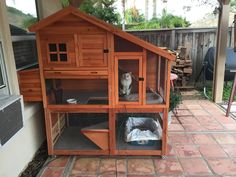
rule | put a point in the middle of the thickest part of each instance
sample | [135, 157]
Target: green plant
[132, 16]
[102, 9]
[167, 20]
[226, 90]
[28, 21]
[175, 100]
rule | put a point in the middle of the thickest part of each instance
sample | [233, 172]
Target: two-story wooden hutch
[81, 60]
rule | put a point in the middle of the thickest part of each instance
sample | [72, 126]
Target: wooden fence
[199, 40]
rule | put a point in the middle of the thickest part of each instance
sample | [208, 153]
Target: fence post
[172, 39]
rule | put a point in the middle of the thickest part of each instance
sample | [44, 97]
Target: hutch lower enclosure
[102, 88]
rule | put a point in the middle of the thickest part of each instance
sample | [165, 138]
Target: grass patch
[226, 91]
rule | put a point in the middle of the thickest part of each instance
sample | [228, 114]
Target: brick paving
[201, 142]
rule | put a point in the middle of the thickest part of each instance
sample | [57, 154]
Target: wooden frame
[113, 144]
[79, 26]
[128, 56]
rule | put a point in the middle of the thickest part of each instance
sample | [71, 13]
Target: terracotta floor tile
[225, 120]
[233, 134]
[206, 119]
[203, 139]
[59, 162]
[205, 103]
[192, 102]
[182, 106]
[183, 112]
[211, 150]
[188, 120]
[215, 112]
[180, 139]
[82, 175]
[174, 120]
[107, 166]
[121, 165]
[121, 175]
[193, 127]
[193, 106]
[230, 150]
[175, 128]
[231, 127]
[169, 166]
[224, 138]
[186, 151]
[88, 166]
[53, 172]
[195, 166]
[170, 151]
[223, 166]
[112, 175]
[140, 166]
[141, 175]
[199, 112]
[208, 104]
[212, 126]
[170, 176]
[112, 167]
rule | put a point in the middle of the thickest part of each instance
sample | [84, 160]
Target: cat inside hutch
[129, 77]
[128, 80]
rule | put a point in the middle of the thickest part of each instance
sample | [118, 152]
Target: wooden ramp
[98, 134]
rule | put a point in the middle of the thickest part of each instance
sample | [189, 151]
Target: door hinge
[141, 79]
[106, 50]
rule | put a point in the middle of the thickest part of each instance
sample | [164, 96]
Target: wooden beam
[221, 46]
[172, 39]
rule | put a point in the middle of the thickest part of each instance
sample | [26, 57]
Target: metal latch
[106, 51]
[141, 79]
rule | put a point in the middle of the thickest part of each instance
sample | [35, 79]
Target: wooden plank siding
[198, 39]
[30, 86]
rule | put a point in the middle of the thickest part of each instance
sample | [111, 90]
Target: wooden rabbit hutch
[82, 61]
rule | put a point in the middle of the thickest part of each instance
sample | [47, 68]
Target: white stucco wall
[46, 7]
[21, 148]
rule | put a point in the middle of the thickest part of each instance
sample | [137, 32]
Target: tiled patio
[202, 142]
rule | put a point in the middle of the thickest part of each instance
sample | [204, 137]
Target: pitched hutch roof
[97, 22]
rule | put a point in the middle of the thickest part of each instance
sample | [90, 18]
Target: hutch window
[155, 79]
[57, 52]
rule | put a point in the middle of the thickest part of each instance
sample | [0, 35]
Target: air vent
[11, 117]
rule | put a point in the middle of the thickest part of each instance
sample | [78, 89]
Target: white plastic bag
[142, 129]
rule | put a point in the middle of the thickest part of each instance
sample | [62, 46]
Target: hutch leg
[164, 132]
[112, 132]
[231, 96]
[48, 123]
